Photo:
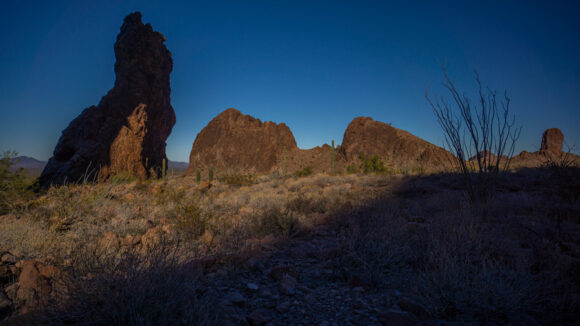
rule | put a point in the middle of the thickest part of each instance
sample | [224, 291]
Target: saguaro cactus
[163, 169]
[332, 158]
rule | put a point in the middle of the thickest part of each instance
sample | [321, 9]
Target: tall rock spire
[127, 131]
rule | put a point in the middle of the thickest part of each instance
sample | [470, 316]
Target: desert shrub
[371, 164]
[306, 171]
[352, 168]
[559, 161]
[197, 176]
[15, 188]
[153, 288]
[485, 131]
[306, 205]
[274, 220]
[238, 179]
[191, 219]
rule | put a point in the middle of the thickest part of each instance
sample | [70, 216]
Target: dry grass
[134, 243]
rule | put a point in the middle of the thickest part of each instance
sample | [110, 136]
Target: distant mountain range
[34, 167]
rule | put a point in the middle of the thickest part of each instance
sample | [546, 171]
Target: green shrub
[372, 164]
[352, 169]
[15, 188]
[304, 172]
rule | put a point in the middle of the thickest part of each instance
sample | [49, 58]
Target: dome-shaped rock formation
[236, 142]
[369, 137]
[127, 131]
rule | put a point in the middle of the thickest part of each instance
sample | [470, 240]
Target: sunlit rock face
[127, 131]
[236, 142]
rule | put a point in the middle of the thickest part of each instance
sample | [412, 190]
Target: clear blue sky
[314, 65]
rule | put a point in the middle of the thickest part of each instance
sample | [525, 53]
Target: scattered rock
[283, 307]
[287, 285]
[253, 287]
[257, 318]
[126, 132]
[8, 258]
[35, 283]
[234, 298]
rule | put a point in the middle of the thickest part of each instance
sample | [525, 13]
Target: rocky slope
[127, 131]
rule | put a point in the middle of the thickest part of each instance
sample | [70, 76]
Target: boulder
[552, 141]
[36, 283]
[235, 142]
[127, 130]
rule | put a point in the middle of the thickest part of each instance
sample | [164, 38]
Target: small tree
[485, 132]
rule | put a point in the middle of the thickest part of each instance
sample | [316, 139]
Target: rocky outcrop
[127, 131]
[369, 137]
[552, 140]
[236, 142]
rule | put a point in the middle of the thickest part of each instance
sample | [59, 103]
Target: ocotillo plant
[332, 157]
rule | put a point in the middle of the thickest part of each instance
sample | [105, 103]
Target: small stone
[358, 289]
[8, 258]
[265, 292]
[234, 298]
[253, 287]
[310, 299]
[287, 285]
[257, 318]
[283, 307]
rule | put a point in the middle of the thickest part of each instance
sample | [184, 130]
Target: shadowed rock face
[128, 129]
[369, 137]
[233, 141]
[552, 140]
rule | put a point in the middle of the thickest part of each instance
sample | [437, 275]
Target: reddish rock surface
[128, 129]
[552, 140]
[369, 137]
[236, 142]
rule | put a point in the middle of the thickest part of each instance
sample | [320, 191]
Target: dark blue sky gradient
[314, 65]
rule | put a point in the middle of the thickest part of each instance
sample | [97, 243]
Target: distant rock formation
[369, 137]
[127, 131]
[233, 142]
[236, 142]
[552, 140]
